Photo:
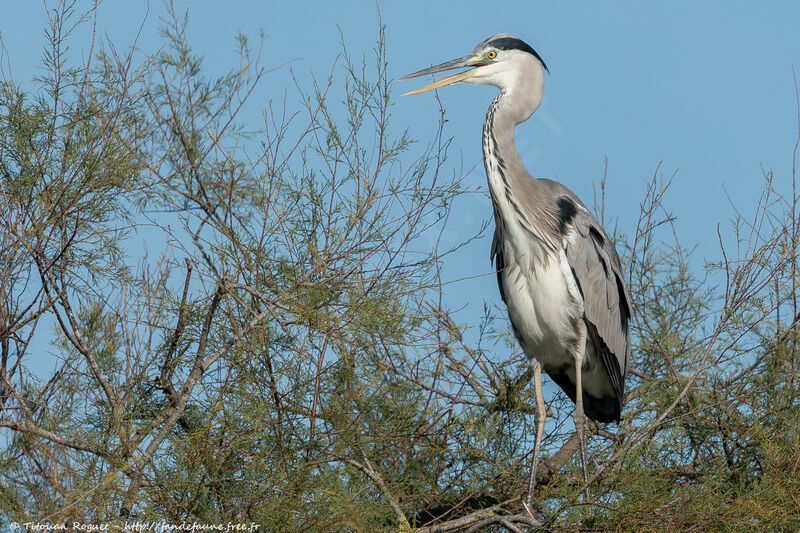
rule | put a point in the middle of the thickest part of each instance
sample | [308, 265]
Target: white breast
[543, 305]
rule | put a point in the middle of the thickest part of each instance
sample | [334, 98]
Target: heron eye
[491, 54]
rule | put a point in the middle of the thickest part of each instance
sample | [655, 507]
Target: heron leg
[540, 414]
[579, 416]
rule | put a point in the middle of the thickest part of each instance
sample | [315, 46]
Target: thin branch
[376, 478]
[33, 429]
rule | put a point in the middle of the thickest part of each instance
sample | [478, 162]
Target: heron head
[502, 60]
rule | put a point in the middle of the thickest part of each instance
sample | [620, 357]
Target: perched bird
[558, 272]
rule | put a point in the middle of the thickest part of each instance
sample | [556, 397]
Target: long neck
[500, 155]
[521, 90]
[511, 107]
[517, 198]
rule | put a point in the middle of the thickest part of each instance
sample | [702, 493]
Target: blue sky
[705, 87]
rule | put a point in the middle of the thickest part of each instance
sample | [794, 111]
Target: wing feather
[499, 264]
[596, 267]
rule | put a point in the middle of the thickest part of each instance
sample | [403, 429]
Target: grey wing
[596, 267]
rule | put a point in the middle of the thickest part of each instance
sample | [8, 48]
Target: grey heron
[557, 270]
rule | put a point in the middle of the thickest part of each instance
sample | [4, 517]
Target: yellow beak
[463, 62]
[447, 80]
